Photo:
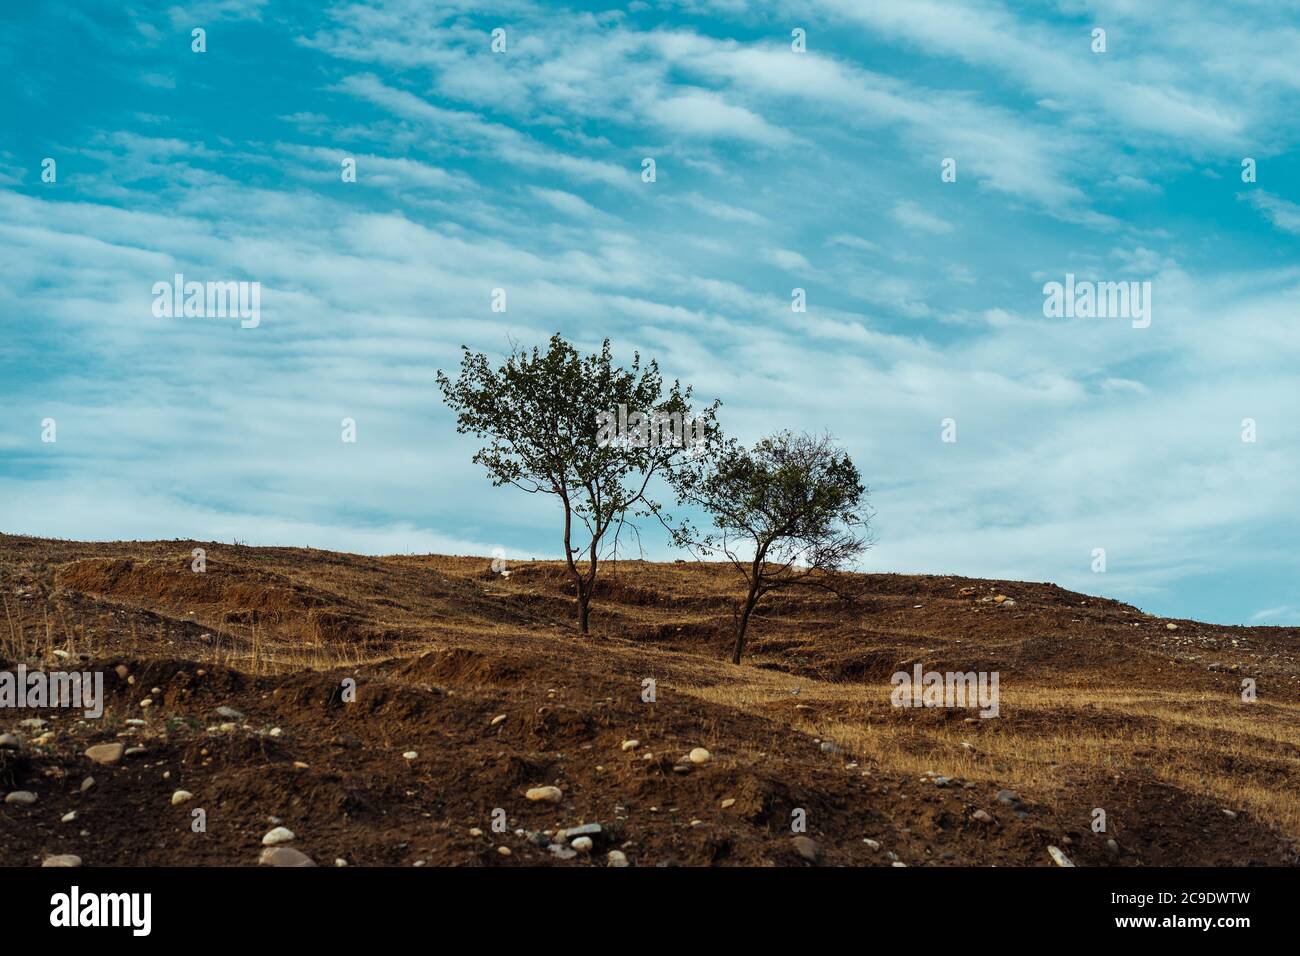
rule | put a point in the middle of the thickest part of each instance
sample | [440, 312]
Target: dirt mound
[175, 583]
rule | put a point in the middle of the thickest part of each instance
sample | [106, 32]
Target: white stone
[277, 836]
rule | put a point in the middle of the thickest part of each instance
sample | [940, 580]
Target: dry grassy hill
[1101, 706]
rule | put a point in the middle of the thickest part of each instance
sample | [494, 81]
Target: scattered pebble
[181, 796]
[105, 753]
[616, 858]
[1059, 858]
[699, 756]
[630, 744]
[63, 859]
[277, 836]
[806, 847]
[499, 718]
[285, 856]
[24, 798]
[548, 794]
[587, 829]
[582, 844]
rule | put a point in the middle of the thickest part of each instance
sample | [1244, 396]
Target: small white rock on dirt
[630, 744]
[503, 850]
[729, 802]
[284, 856]
[277, 836]
[181, 796]
[1059, 858]
[499, 718]
[87, 784]
[548, 794]
[105, 753]
[410, 755]
[21, 797]
[62, 859]
[700, 756]
[68, 817]
[616, 858]
[582, 844]
[871, 844]
[9, 742]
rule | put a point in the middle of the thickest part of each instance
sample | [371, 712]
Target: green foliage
[540, 416]
[788, 511]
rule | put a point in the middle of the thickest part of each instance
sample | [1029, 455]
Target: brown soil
[1101, 706]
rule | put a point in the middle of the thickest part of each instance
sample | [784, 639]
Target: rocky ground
[290, 706]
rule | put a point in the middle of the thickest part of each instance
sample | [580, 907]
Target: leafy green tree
[788, 512]
[554, 424]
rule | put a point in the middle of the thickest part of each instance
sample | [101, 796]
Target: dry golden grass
[1209, 744]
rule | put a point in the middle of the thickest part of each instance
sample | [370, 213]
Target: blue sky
[775, 170]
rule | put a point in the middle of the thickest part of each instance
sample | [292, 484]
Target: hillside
[1101, 706]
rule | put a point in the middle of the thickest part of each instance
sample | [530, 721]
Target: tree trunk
[741, 627]
[584, 609]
